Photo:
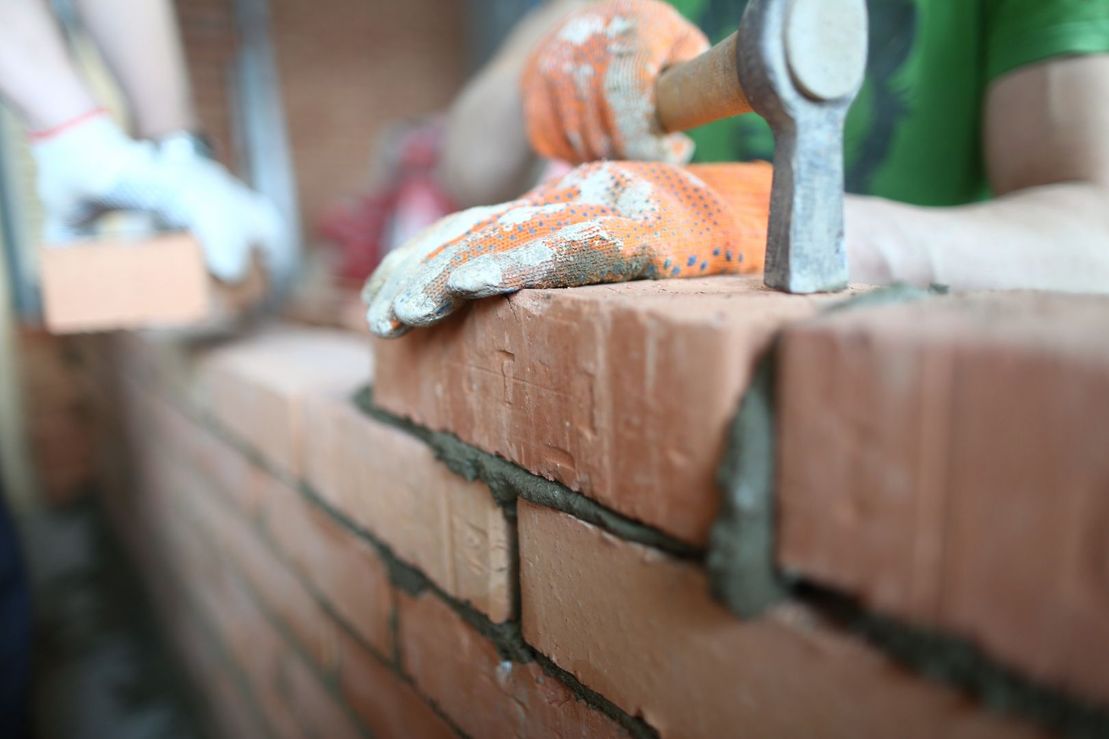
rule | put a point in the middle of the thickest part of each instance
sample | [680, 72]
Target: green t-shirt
[914, 134]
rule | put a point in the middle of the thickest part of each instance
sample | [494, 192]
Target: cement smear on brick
[741, 561]
[508, 481]
[743, 573]
[741, 558]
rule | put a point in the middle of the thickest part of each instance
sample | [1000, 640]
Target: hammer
[799, 64]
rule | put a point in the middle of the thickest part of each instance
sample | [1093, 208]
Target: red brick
[255, 385]
[386, 704]
[226, 470]
[641, 629]
[249, 639]
[315, 709]
[390, 483]
[279, 590]
[343, 568]
[47, 372]
[56, 401]
[289, 695]
[620, 391]
[408, 56]
[118, 285]
[227, 705]
[946, 461]
[461, 671]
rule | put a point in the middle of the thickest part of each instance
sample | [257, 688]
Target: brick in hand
[98, 286]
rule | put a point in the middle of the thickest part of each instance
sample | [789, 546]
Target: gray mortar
[743, 573]
[636, 727]
[948, 660]
[507, 481]
[954, 661]
[506, 637]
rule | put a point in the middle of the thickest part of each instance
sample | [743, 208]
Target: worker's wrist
[885, 244]
[40, 135]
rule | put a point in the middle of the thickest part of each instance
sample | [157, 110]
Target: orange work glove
[589, 87]
[602, 222]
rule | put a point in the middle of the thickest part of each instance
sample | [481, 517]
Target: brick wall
[210, 39]
[60, 426]
[498, 527]
[347, 69]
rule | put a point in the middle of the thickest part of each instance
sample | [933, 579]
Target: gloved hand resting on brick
[89, 166]
[588, 88]
[603, 222]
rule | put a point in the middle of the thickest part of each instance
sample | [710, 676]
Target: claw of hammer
[799, 64]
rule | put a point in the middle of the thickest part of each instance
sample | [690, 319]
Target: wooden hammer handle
[702, 90]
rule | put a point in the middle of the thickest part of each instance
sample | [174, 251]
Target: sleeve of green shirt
[1021, 32]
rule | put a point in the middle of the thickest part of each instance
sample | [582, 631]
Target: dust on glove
[602, 222]
[588, 88]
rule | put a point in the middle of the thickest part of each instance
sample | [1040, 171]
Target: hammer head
[801, 63]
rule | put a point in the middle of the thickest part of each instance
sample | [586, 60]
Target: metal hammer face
[800, 64]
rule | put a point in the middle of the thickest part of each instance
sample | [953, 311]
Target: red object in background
[365, 228]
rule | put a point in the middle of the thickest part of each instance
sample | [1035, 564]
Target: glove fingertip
[227, 262]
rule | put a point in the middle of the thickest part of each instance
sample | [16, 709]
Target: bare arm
[1047, 152]
[141, 43]
[487, 158]
[36, 73]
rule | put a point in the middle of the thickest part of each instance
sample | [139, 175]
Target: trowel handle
[702, 90]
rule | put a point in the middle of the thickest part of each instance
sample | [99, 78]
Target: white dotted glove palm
[93, 167]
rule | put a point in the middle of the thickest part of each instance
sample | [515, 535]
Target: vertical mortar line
[506, 637]
[932, 653]
[508, 480]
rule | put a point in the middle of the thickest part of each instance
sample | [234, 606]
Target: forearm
[140, 41]
[487, 157]
[1053, 237]
[36, 73]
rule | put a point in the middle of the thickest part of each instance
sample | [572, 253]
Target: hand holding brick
[90, 167]
[603, 222]
[588, 88]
